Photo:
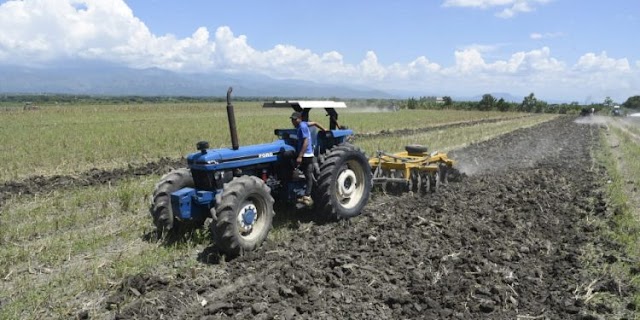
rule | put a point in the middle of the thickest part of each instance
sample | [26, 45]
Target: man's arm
[315, 124]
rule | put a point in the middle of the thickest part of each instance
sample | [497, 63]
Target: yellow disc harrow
[414, 170]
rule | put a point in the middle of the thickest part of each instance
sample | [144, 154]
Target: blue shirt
[303, 132]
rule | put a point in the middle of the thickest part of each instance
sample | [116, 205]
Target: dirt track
[506, 242]
[412, 131]
[40, 184]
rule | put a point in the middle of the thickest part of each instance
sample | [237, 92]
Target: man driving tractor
[305, 157]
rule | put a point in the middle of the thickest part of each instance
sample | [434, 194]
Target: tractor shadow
[287, 217]
[184, 235]
[189, 236]
[291, 216]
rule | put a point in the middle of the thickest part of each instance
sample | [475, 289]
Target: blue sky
[559, 49]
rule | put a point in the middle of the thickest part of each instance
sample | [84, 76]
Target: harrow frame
[413, 170]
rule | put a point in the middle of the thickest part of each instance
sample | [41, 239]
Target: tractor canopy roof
[299, 105]
[304, 106]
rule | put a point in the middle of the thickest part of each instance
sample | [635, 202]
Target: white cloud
[547, 35]
[471, 61]
[603, 76]
[42, 32]
[47, 29]
[591, 62]
[517, 7]
[476, 3]
[510, 7]
[422, 64]
[370, 68]
[482, 47]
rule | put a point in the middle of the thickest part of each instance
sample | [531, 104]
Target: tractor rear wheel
[243, 215]
[161, 210]
[344, 184]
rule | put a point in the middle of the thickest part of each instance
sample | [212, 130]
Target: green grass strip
[626, 223]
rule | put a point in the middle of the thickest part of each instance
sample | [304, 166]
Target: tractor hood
[227, 158]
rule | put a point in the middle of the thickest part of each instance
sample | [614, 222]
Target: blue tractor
[236, 187]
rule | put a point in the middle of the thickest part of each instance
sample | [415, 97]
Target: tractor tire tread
[161, 210]
[335, 157]
[223, 227]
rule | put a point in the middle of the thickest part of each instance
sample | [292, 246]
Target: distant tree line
[65, 99]
[487, 103]
[529, 104]
[632, 103]
[51, 99]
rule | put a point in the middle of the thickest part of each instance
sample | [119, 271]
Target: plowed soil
[506, 240]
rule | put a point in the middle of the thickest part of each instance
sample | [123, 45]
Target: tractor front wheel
[161, 210]
[243, 215]
[344, 184]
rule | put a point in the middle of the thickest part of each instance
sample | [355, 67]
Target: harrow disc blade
[415, 182]
[396, 187]
[426, 183]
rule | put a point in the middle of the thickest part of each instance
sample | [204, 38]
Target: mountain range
[119, 81]
[111, 80]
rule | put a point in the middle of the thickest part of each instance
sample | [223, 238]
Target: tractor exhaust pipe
[232, 121]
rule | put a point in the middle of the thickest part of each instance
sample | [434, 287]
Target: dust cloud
[371, 109]
[593, 120]
[632, 119]
[362, 106]
[606, 122]
[522, 149]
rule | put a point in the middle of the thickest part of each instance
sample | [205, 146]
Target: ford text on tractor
[236, 187]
